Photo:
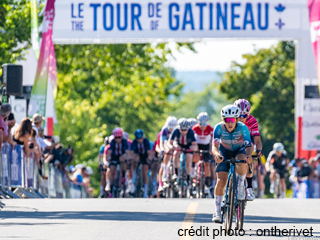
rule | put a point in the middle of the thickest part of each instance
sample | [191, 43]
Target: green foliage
[15, 29]
[267, 81]
[209, 100]
[101, 87]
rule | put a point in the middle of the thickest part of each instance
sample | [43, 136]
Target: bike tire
[240, 214]
[230, 203]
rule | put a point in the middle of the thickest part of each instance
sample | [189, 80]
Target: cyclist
[278, 162]
[102, 168]
[204, 136]
[253, 127]
[192, 122]
[231, 140]
[126, 137]
[142, 154]
[183, 136]
[116, 155]
[165, 133]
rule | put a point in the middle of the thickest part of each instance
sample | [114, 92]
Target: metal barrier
[19, 173]
[307, 189]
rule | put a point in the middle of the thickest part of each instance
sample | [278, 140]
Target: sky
[215, 55]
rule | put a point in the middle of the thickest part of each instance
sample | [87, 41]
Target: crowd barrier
[307, 189]
[20, 178]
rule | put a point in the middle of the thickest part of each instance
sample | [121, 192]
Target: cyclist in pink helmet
[252, 124]
[116, 155]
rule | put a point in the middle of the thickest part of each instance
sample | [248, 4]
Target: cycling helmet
[203, 117]
[243, 105]
[278, 147]
[230, 111]
[106, 140]
[111, 138]
[138, 133]
[192, 122]
[172, 122]
[183, 123]
[89, 171]
[117, 132]
[126, 135]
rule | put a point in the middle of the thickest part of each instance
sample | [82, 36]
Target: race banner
[39, 90]
[314, 18]
[34, 28]
[16, 167]
[97, 22]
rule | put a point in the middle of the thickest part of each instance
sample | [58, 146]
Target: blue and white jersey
[233, 141]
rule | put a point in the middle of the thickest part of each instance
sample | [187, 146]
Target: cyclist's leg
[176, 156]
[129, 160]
[145, 170]
[112, 168]
[222, 177]
[282, 173]
[241, 170]
[272, 177]
[123, 168]
[135, 165]
[261, 175]
[103, 181]
[189, 157]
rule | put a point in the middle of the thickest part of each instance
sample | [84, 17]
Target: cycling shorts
[186, 146]
[225, 166]
[282, 171]
[206, 155]
[115, 160]
[143, 159]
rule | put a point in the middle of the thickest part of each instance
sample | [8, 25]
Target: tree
[210, 100]
[266, 79]
[15, 29]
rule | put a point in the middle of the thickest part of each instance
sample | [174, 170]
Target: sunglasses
[117, 137]
[203, 124]
[227, 120]
[244, 115]
[183, 130]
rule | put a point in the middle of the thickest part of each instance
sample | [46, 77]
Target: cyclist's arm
[257, 141]
[215, 149]
[216, 140]
[170, 144]
[194, 146]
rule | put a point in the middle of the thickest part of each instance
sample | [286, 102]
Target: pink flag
[314, 17]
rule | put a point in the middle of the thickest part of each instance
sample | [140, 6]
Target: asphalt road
[147, 218]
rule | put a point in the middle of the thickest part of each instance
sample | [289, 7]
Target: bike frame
[232, 170]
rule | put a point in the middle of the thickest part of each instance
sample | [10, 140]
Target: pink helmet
[243, 105]
[117, 132]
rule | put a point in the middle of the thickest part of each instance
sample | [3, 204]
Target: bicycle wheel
[240, 214]
[230, 203]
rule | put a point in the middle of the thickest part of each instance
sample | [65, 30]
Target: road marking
[188, 219]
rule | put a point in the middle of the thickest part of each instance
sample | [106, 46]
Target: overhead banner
[88, 21]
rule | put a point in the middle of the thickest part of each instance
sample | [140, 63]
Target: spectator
[36, 124]
[44, 144]
[302, 171]
[86, 180]
[22, 134]
[4, 113]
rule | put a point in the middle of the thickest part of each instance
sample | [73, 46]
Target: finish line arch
[144, 21]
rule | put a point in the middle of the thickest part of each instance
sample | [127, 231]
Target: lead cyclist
[231, 140]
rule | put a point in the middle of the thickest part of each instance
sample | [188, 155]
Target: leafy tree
[266, 79]
[210, 100]
[101, 87]
[15, 29]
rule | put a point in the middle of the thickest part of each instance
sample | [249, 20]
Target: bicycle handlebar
[184, 150]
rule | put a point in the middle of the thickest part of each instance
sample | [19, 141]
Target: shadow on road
[146, 216]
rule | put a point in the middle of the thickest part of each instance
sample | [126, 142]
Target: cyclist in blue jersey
[142, 154]
[102, 167]
[183, 137]
[231, 140]
[165, 133]
[116, 155]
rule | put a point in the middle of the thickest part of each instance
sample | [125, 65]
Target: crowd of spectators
[29, 133]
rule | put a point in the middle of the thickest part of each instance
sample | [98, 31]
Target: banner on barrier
[87, 21]
[5, 169]
[16, 167]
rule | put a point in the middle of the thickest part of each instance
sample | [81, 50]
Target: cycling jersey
[185, 140]
[203, 137]
[106, 149]
[129, 142]
[253, 127]
[140, 148]
[119, 148]
[101, 150]
[165, 134]
[277, 162]
[233, 141]
[157, 142]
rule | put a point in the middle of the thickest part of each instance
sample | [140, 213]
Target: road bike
[182, 181]
[200, 176]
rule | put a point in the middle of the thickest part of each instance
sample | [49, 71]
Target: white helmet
[230, 111]
[183, 123]
[89, 170]
[172, 122]
[192, 122]
[278, 147]
[203, 117]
